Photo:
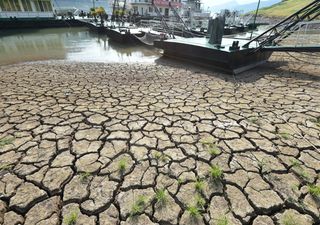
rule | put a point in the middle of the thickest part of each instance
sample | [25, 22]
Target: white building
[26, 9]
[145, 7]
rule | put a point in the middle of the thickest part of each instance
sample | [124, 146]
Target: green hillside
[284, 8]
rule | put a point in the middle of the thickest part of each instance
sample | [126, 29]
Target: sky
[212, 5]
[224, 2]
[242, 5]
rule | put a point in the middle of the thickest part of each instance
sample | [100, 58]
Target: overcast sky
[223, 2]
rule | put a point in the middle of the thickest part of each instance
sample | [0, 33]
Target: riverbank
[159, 143]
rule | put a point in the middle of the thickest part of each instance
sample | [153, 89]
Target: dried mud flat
[158, 144]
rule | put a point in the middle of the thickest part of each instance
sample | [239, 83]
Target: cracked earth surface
[156, 144]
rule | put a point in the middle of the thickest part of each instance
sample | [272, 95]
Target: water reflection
[74, 44]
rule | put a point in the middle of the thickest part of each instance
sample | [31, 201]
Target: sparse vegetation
[6, 141]
[295, 163]
[200, 201]
[289, 219]
[180, 180]
[283, 8]
[199, 185]
[161, 196]
[206, 141]
[214, 149]
[122, 165]
[223, 220]
[193, 211]
[4, 167]
[211, 146]
[84, 176]
[314, 190]
[138, 206]
[254, 120]
[285, 135]
[161, 157]
[71, 218]
[297, 166]
[216, 172]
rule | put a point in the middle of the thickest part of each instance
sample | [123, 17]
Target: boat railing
[18, 14]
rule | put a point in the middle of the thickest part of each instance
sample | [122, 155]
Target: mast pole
[255, 18]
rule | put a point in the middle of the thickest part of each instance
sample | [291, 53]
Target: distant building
[193, 8]
[26, 9]
[145, 7]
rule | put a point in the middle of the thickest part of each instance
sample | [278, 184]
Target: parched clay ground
[158, 144]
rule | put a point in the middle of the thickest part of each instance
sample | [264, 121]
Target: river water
[71, 44]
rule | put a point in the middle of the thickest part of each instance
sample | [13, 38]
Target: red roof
[165, 3]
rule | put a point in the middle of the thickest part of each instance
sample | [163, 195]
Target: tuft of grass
[71, 218]
[161, 157]
[295, 163]
[316, 121]
[289, 219]
[180, 180]
[193, 211]
[216, 172]
[138, 206]
[161, 196]
[299, 169]
[200, 202]
[314, 190]
[6, 141]
[214, 150]
[84, 176]
[199, 185]
[206, 141]
[254, 120]
[284, 135]
[223, 220]
[122, 165]
[4, 167]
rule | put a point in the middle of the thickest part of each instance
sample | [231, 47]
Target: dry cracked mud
[158, 144]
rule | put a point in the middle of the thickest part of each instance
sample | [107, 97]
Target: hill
[283, 8]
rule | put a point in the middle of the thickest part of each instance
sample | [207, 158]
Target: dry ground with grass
[159, 144]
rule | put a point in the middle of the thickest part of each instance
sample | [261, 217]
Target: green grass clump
[71, 218]
[4, 167]
[6, 141]
[200, 202]
[194, 211]
[122, 165]
[216, 172]
[161, 196]
[295, 163]
[138, 206]
[223, 220]
[314, 190]
[299, 169]
[254, 120]
[289, 219]
[211, 146]
[180, 180]
[199, 185]
[84, 176]
[285, 135]
[214, 149]
[161, 157]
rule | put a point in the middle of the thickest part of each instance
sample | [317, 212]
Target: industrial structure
[145, 7]
[26, 9]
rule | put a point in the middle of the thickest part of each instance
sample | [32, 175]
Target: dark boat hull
[233, 62]
[121, 37]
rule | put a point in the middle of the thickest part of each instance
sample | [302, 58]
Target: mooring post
[215, 30]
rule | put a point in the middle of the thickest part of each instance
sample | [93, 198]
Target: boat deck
[204, 42]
